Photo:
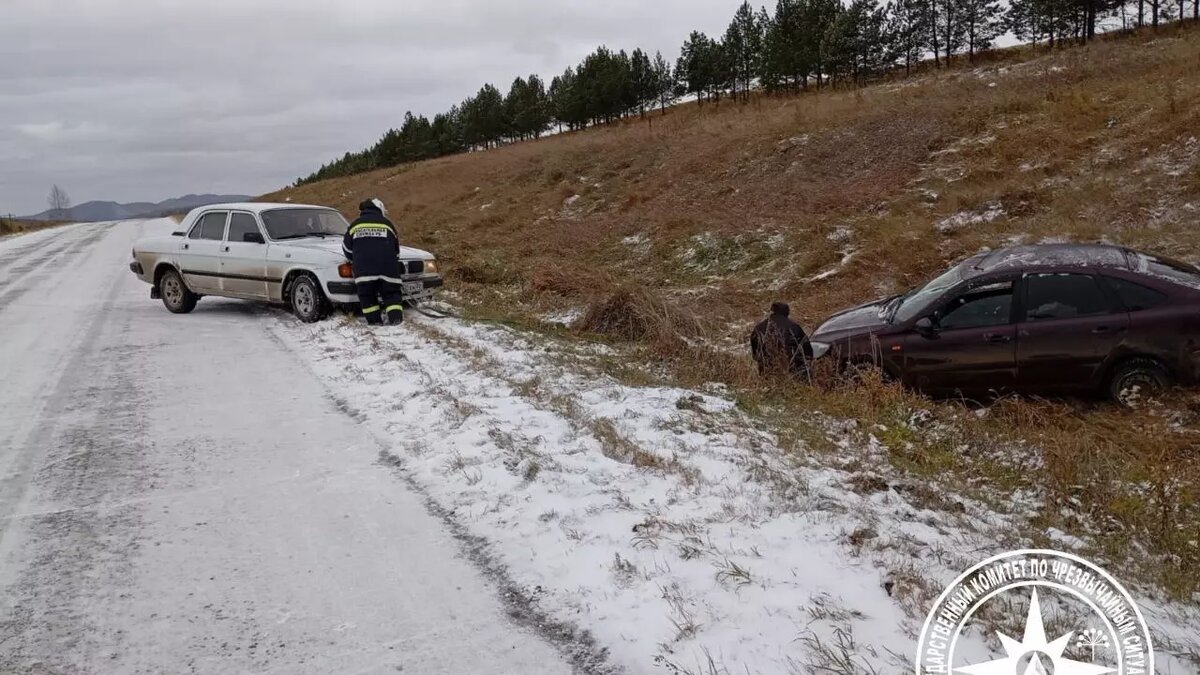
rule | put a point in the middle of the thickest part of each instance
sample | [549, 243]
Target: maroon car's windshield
[917, 300]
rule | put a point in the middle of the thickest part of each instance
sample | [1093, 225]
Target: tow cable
[433, 313]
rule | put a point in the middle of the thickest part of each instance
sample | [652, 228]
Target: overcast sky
[141, 100]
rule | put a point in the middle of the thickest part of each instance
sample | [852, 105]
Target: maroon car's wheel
[1136, 379]
[858, 372]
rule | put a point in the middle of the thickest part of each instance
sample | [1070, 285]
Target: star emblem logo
[1046, 657]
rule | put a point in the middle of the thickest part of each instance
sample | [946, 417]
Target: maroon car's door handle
[997, 338]
[1105, 330]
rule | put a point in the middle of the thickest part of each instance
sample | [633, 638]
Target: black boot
[374, 318]
[395, 316]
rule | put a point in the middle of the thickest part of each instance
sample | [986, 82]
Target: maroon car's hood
[861, 319]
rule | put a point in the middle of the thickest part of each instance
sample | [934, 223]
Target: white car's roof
[257, 207]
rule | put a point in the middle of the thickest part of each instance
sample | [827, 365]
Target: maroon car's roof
[1048, 255]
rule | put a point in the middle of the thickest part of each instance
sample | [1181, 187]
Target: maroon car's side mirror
[926, 327]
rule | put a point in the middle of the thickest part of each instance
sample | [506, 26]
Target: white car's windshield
[297, 223]
[914, 302]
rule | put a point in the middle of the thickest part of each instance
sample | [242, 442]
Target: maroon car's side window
[982, 307]
[1134, 296]
[1064, 296]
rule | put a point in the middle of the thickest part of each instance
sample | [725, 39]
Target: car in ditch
[1042, 319]
[289, 254]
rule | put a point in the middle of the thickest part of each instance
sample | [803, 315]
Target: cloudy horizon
[144, 100]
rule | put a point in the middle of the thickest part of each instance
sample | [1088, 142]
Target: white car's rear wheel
[308, 303]
[175, 294]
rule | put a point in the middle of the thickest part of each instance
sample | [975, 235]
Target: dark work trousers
[379, 296]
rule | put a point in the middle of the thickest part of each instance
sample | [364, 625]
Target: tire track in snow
[56, 261]
[85, 451]
[576, 644]
[22, 249]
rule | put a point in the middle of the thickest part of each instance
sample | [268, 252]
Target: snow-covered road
[184, 496]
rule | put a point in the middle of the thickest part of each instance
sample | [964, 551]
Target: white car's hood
[334, 245]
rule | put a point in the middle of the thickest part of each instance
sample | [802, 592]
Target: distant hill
[95, 211]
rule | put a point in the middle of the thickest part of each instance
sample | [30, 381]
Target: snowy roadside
[661, 520]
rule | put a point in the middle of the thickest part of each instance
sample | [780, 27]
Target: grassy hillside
[830, 199]
[824, 199]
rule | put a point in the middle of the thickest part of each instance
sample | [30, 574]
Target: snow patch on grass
[848, 256]
[565, 317]
[964, 219]
[840, 235]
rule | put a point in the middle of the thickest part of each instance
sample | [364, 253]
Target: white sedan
[281, 253]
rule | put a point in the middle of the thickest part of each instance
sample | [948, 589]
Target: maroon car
[1049, 319]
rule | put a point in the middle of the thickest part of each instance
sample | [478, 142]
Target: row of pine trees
[803, 44]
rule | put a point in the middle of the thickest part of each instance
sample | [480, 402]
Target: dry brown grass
[676, 235]
[14, 226]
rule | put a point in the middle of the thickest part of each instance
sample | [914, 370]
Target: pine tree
[857, 47]
[565, 100]
[1034, 20]
[982, 22]
[695, 66]
[642, 78]
[537, 114]
[724, 70]
[513, 107]
[664, 81]
[787, 51]
[948, 27]
[909, 31]
[743, 45]
[817, 17]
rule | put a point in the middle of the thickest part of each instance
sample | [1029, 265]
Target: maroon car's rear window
[1168, 269]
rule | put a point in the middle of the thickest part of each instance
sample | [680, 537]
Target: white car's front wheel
[308, 302]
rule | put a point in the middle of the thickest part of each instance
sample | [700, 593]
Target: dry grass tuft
[638, 315]
[569, 283]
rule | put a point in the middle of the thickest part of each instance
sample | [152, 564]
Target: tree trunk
[1141, 13]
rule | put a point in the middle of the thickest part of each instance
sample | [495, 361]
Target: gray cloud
[147, 99]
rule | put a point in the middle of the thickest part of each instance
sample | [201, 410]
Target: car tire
[857, 372]
[308, 302]
[175, 294]
[1137, 378]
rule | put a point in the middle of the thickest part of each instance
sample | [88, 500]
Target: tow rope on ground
[433, 313]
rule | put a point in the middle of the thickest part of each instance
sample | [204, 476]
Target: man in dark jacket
[373, 248]
[779, 344]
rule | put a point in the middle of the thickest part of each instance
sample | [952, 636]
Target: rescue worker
[780, 345]
[373, 248]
